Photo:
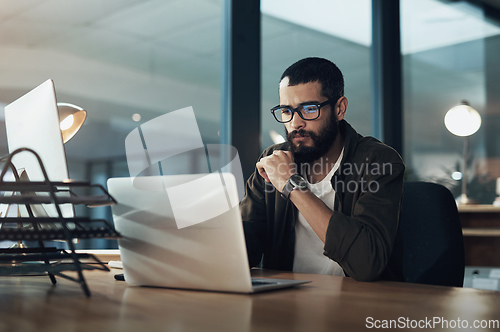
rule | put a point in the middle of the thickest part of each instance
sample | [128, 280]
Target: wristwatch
[294, 182]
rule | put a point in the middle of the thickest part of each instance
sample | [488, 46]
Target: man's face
[309, 140]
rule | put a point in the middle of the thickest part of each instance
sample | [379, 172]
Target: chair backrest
[429, 246]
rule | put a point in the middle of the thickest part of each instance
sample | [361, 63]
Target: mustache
[300, 133]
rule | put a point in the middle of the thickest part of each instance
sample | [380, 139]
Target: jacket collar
[351, 139]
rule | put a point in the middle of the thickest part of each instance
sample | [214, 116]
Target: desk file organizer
[44, 260]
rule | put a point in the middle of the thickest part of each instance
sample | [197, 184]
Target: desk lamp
[71, 119]
[463, 120]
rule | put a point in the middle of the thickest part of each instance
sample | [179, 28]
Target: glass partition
[450, 54]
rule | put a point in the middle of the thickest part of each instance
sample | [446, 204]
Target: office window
[120, 60]
[450, 53]
[337, 30]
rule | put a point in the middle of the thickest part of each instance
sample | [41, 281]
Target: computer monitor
[32, 121]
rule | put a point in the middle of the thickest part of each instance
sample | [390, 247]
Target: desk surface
[328, 303]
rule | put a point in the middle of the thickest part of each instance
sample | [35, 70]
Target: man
[327, 201]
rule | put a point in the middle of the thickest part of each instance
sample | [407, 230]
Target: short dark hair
[317, 70]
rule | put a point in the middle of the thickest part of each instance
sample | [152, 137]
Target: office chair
[429, 246]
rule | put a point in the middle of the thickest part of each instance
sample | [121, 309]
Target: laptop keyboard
[258, 282]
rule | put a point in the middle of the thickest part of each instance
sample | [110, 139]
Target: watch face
[298, 181]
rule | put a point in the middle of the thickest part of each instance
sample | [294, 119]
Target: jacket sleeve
[362, 241]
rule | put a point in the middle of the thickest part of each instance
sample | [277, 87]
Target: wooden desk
[481, 229]
[328, 303]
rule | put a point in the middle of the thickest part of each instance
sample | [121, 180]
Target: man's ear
[341, 108]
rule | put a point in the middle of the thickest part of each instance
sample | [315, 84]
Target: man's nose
[297, 122]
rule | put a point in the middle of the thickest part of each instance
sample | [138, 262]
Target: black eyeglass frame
[297, 110]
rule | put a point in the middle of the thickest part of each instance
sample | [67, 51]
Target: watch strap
[292, 183]
[287, 189]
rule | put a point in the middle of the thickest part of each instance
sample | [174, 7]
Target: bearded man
[327, 201]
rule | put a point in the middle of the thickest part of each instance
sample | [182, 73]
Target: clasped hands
[277, 168]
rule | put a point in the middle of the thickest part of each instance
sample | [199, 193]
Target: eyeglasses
[310, 112]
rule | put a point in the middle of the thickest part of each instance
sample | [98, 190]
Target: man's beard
[322, 142]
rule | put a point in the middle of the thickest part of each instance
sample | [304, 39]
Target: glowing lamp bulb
[462, 120]
[67, 122]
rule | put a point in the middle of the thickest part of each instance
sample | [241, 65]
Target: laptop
[188, 235]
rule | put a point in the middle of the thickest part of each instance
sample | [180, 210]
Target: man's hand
[277, 168]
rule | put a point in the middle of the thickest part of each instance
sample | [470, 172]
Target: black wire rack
[33, 226]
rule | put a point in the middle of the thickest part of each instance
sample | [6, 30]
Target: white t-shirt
[309, 248]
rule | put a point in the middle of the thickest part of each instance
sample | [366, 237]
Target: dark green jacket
[362, 229]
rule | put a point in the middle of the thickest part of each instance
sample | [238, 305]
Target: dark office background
[406, 63]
